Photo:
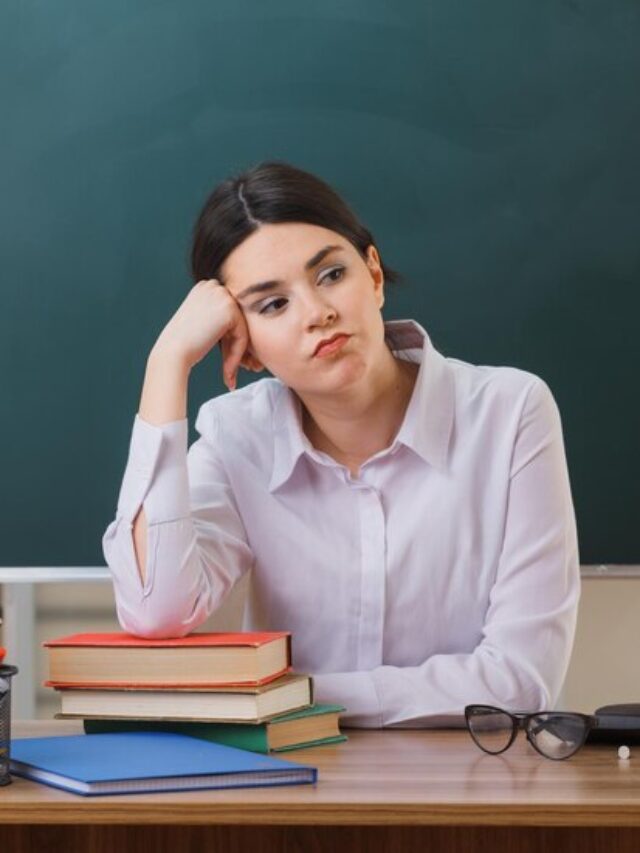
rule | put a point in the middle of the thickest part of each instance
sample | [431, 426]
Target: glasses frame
[524, 721]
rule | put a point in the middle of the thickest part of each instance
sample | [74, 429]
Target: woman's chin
[339, 380]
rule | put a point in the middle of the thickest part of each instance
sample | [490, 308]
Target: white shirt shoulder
[495, 390]
[243, 419]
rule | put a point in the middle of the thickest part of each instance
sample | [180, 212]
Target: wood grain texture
[377, 778]
[321, 839]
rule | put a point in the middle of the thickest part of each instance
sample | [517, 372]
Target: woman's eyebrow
[310, 264]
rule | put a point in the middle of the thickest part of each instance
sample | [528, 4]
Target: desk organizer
[6, 674]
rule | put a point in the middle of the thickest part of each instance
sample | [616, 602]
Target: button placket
[372, 578]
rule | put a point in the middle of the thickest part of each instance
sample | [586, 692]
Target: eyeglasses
[554, 734]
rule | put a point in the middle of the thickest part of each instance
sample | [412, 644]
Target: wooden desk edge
[115, 811]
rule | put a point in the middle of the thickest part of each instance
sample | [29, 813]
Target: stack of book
[229, 688]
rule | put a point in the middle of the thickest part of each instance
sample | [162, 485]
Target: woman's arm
[164, 399]
[528, 633]
[168, 567]
[196, 543]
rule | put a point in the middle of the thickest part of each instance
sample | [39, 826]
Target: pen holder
[6, 674]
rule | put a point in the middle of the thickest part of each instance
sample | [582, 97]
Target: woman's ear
[375, 268]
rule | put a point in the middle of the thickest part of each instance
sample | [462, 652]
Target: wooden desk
[380, 791]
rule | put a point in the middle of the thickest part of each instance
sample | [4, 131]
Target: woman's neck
[356, 430]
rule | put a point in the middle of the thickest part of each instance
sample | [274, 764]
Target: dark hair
[270, 192]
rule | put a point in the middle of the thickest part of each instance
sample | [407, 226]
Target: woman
[407, 516]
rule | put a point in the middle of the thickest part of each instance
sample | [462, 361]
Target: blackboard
[492, 149]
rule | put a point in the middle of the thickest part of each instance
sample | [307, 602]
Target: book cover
[119, 659]
[213, 638]
[254, 737]
[248, 705]
[137, 762]
[164, 685]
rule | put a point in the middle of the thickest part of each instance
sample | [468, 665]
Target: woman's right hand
[209, 315]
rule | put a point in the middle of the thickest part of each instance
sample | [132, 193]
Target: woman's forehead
[278, 252]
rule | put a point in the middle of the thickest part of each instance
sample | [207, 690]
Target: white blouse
[445, 573]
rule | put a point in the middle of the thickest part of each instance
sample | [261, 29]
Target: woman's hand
[209, 315]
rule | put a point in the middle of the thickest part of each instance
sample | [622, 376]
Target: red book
[120, 660]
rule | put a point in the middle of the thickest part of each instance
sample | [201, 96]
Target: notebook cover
[148, 757]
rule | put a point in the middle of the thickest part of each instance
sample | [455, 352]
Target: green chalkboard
[492, 149]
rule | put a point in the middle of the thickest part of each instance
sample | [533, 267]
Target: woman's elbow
[151, 625]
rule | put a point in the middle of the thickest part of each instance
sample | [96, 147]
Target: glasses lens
[491, 729]
[557, 735]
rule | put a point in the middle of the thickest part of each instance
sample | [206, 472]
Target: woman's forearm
[163, 399]
[164, 392]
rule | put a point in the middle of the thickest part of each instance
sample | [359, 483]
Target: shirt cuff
[356, 691]
[156, 472]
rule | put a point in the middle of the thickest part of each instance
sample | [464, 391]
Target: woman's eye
[332, 276]
[274, 304]
[338, 270]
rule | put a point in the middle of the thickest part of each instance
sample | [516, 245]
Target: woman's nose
[317, 308]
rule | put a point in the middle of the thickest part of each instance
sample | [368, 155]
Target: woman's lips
[333, 346]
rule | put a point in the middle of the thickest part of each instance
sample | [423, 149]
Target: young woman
[407, 516]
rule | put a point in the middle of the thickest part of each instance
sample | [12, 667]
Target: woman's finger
[234, 347]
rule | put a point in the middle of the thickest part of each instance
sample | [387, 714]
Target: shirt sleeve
[522, 658]
[197, 546]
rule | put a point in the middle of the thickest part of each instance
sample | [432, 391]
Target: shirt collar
[427, 423]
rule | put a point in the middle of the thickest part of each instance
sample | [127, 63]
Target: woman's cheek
[264, 349]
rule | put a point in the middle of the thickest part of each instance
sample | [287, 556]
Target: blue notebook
[136, 762]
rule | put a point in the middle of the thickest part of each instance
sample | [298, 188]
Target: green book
[313, 726]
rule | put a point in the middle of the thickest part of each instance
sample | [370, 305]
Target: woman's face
[294, 294]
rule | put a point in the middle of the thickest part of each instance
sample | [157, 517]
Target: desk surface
[377, 777]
